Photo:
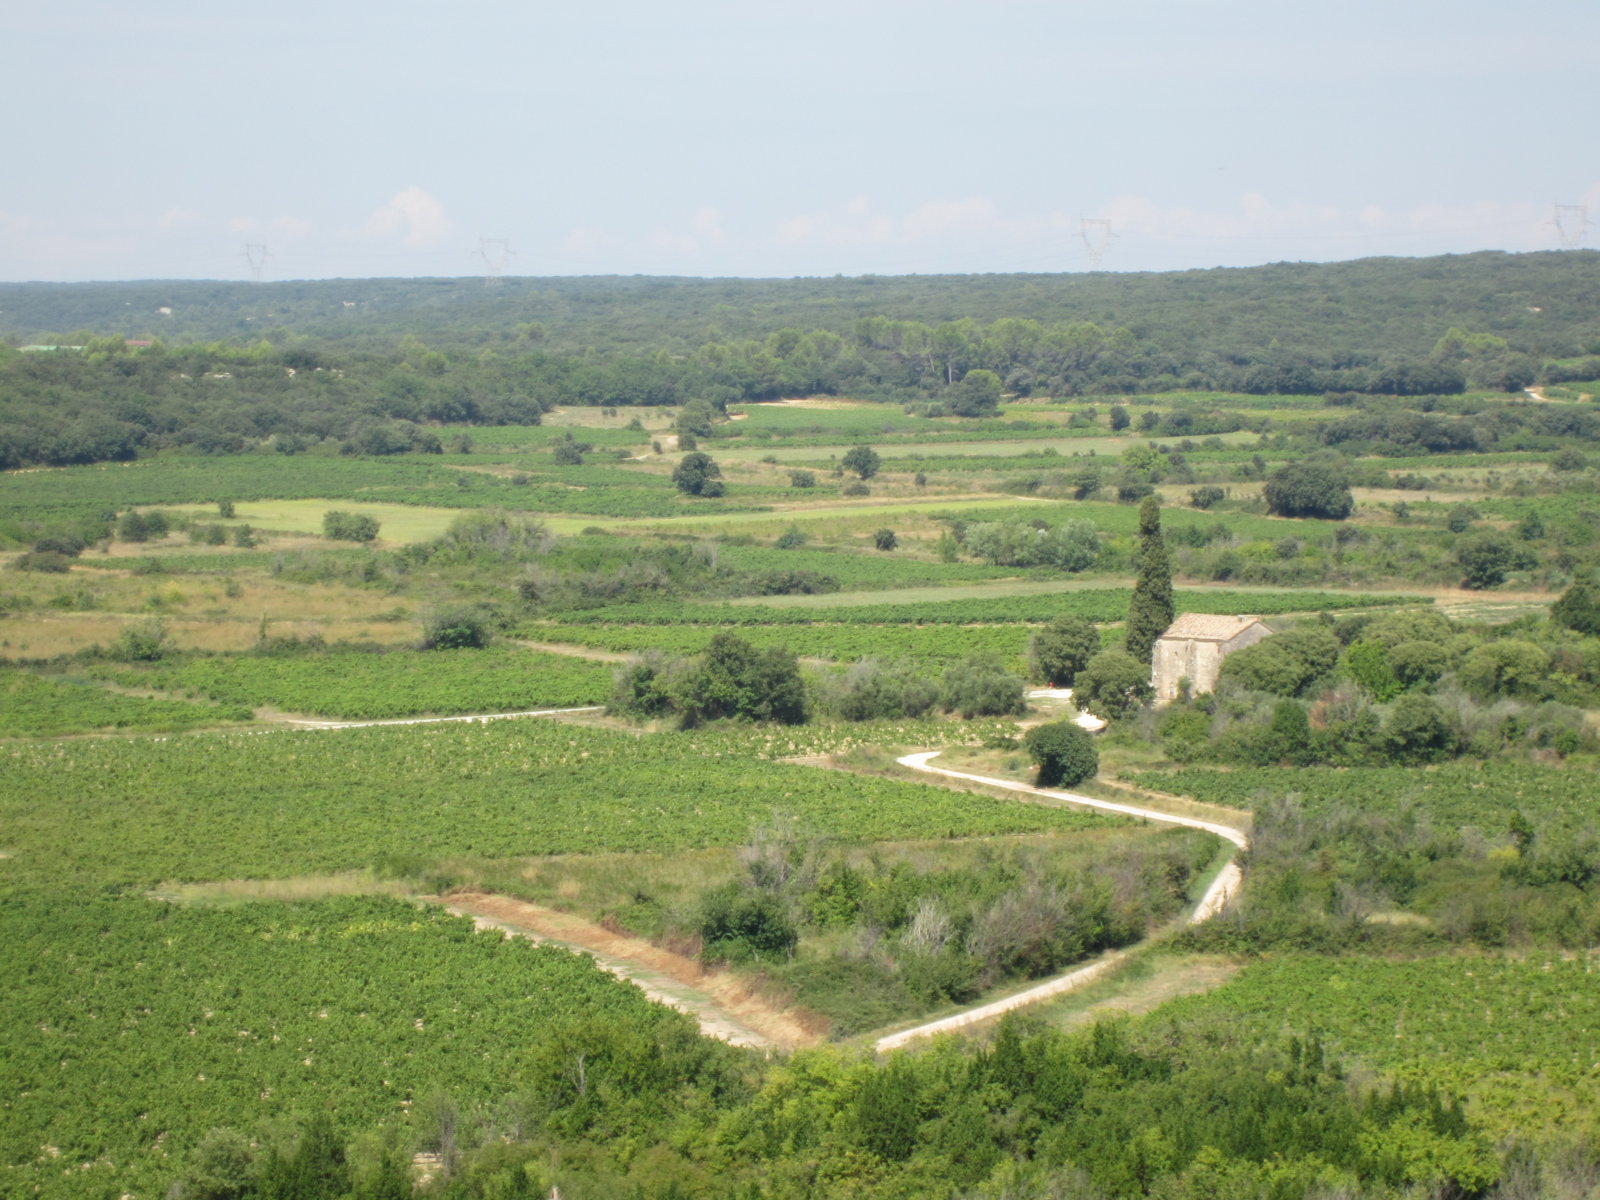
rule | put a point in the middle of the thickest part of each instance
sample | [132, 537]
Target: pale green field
[819, 521]
[918, 595]
[653, 419]
[397, 523]
[992, 589]
[1065, 447]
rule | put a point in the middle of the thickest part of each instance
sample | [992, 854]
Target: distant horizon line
[501, 279]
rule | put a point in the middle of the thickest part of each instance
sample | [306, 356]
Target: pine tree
[1150, 610]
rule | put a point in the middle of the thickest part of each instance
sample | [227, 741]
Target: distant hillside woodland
[235, 367]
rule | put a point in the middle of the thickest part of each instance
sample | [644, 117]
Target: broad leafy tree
[1112, 685]
[862, 460]
[1064, 753]
[1308, 489]
[698, 475]
[1579, 607]
[1486, 559]
[1061, 649]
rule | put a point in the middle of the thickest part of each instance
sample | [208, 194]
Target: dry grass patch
[200, 612]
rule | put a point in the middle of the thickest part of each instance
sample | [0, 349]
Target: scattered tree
[863, 460]
[1308, 489]
[348, 526]
[1578, 608]
[977, 395]
[885, 539]
[981, 687]
[1112, 685]
[791, 538]
[734, 679]
[1417, 731]
[1485, 559]
[460, 627]
[697, 475]
[1061, 649]
[1064, 753]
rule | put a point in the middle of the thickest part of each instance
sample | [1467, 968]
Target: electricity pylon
[256, 255]
[1571, 223]
[495, 252]
[1095, 233]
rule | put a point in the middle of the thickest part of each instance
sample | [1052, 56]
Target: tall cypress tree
[1150, 609]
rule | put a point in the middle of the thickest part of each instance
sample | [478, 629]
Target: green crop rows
[432, 482]
[1518, 1038]
[836, 643]
[1099, 604]
[132, 1027]
[372, 686]
[866, 569]
[217, 806]
[1453, 794]
[31, 706]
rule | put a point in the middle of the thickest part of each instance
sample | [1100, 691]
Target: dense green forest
[1540, 301]
[235, 365]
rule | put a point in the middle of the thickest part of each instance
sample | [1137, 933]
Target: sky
[182, 139]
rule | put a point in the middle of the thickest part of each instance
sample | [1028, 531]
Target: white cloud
[704, 231]
[413, 216]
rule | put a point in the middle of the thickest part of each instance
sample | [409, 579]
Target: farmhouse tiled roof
[1208, 627]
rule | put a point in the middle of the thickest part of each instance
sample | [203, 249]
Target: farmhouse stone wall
[1193, 648]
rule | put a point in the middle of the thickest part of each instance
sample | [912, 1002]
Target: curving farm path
[1222, 889]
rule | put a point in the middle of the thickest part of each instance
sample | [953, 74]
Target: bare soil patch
[589, 652]
[726, 996]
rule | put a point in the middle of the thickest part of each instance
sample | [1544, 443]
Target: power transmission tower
[1571, 223]
[256, 255]
[495, 252]
[1096, 234]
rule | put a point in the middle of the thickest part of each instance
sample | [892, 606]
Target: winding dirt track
[1222, 889]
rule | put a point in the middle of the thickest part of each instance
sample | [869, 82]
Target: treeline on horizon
[237, 366]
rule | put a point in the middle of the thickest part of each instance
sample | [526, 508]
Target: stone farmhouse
[1193, 648]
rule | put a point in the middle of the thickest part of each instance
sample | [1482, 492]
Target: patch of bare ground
[725, 1005]
[589, 652]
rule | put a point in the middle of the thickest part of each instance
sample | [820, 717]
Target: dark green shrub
[348, 526]
[1061, 649]
[1306, 489]
[742, 924]
[980, 687]
[1064, 753]
[696, 474]
[1112, 685]
[462, 627]
[862, 460]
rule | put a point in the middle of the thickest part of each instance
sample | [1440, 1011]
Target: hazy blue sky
[157, 139]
